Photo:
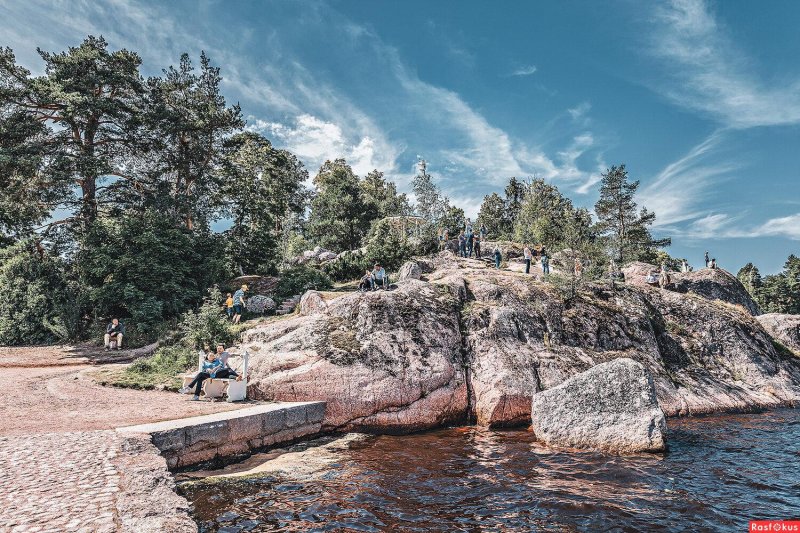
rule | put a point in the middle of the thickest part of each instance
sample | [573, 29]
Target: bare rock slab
[611, 407]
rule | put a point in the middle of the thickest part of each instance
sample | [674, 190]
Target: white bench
[234, 390]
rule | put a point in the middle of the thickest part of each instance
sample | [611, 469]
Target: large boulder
[260, 304]
[710, 283]
[312, 302]
[264, 285]
[611, 407]
[783, 328]
[384, 361]
[409, 270]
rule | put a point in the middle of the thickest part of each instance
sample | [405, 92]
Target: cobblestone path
[59, 482]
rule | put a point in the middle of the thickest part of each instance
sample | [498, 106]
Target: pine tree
[620, 221]
[493, 216]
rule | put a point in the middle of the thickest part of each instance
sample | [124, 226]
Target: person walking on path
[528, 257]
[498, 256]
[229, 306]
[545, 263]
[238, 304]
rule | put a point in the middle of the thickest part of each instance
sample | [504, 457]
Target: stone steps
[288, 305]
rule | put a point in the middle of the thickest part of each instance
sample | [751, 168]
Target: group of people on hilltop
[215, 366]
[538, 253]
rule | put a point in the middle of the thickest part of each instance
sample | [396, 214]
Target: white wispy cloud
[579, 110]
[710, 73]
[788, 226]
[525, 70]
[678, 191]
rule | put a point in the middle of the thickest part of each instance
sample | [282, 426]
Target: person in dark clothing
[470, 243]
[114, 332]
[462, 245]
[366, 282]
[478, 247]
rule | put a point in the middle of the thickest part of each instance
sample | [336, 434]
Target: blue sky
[700, 99]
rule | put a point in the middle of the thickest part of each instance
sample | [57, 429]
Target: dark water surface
[720, 472]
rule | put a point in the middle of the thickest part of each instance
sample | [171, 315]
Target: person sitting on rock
[115, 330]
[652, 277]
[366, 281]
[498, 256]
[209, 370]
[238, 304]
[379, 277]
[713, 264]
[478, 246]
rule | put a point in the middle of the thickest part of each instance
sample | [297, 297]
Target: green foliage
[34, 290]
[623, 226]
[579, 247]
[778, 293]
[340, 218]
[387, 247]
[263, 187]
[543, 216]
[493, 216]
[208, 325]
[432, 205]
[160, 369]
[383, 195]
[299, 279]
[146, 267]
[659, 257]
[347, 267]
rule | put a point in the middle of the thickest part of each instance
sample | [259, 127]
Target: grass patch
[159, 371]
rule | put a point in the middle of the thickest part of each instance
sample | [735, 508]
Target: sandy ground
[48, 389]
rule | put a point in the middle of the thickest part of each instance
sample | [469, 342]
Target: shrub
[206, 326]
[299, 279]
[348, 266]
[162, 369]
[33, 288]
[387, 247]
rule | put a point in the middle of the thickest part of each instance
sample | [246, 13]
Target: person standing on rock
[684, 266]
[545, 263]
[498, 256]
[578, 268]
[528, 257]
[707, 261]
[462, 245]
[483, 232]
[229, 306]
[238, 304]
[470, 243]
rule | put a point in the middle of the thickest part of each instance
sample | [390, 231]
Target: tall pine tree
[625, 228]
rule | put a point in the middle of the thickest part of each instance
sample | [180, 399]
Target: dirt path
[57, 395]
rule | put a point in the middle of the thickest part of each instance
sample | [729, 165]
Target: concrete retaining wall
[198, 439]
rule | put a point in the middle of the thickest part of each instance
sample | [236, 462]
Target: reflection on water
[719, 473]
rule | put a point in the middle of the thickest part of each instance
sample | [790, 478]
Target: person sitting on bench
[225, 371]
[210, 367]
[114, 332]
[379, 277]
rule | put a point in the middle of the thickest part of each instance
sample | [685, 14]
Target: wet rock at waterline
[611, 407]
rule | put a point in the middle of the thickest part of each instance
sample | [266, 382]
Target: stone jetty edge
[148, 501]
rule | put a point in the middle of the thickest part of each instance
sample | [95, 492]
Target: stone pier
[188, 441]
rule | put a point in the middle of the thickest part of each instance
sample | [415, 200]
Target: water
[719, 473]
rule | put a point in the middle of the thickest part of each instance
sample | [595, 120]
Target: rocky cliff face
[466, 342]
